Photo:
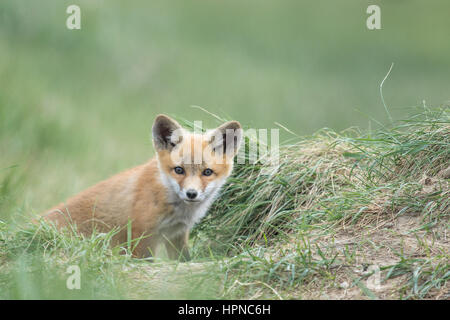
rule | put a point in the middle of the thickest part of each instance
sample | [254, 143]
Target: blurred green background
[76, 105]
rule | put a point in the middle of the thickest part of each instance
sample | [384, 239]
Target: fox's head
[194, 166]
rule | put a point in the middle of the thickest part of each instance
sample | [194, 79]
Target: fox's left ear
[167, 133]
[227, 138]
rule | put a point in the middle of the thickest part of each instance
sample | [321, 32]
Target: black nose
[191, 194]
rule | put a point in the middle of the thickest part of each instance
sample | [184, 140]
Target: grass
[76, 107]
[338, 205]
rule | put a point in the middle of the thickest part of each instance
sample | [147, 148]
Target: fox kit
[163, 198]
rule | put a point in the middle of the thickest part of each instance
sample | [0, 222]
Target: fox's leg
[177, 247]
[145, 247]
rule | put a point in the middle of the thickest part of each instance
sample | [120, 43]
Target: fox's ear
[167, 133]
[227, 138]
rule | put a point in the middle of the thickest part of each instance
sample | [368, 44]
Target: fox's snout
[193, 188]
[191, 194]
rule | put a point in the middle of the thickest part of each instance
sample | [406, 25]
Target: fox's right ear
[167, 133]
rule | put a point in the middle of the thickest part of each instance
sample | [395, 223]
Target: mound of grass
[336, 180]
[343, 216]
[345, 199]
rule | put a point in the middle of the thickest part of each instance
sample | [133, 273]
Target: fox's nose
[191, 194]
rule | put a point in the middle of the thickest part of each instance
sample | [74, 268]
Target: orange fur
[152, 196]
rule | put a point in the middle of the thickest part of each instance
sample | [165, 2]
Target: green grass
[339, 203]
[77, 106]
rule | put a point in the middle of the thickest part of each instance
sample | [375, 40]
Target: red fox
[163, 198]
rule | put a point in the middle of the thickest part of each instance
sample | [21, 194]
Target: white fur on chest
[183, 218]
[185, 214]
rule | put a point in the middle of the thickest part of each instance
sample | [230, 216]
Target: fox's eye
[207, 172]
[178, 170]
